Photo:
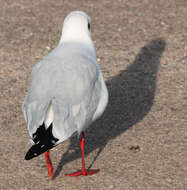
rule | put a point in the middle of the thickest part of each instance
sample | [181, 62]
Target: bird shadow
[131, 96]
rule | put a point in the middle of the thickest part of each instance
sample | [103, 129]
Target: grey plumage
[67, 88]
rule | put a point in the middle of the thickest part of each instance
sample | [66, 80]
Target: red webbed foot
[83, 172]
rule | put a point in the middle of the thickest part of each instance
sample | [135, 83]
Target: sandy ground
[140, 142]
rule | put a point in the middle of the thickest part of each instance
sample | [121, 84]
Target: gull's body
[67, 91]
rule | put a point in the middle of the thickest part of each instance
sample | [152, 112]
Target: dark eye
[88, 26]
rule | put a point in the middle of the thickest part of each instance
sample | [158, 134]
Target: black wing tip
[32, 153]
[38, 149]
[28, 157]
[44, 140]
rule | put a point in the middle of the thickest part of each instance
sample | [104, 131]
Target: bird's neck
[75, 35]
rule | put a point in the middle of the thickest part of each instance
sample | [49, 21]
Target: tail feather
[49, 117]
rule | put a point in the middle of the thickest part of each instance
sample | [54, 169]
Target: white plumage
[67, 90]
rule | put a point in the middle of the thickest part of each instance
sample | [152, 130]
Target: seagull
[67, 92]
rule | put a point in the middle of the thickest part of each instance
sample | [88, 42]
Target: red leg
[83, 171]
[49, 164]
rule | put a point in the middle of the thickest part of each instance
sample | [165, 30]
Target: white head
[76, 27]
